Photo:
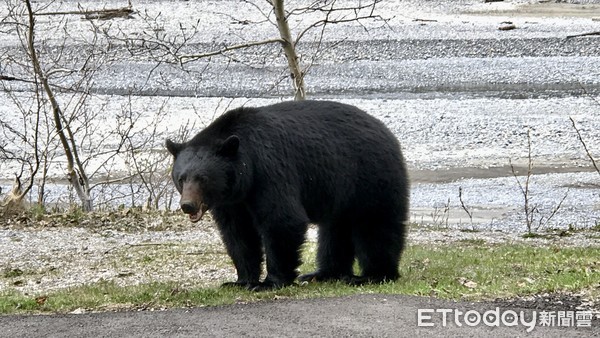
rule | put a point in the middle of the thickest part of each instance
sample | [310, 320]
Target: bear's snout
[195, 210]
[189, 207]
[192, 202]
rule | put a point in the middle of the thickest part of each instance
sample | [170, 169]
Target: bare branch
[330, 11]
[543, 223]
[462, 204]
[191, 57]
[525, 186]
[587, 151]
[73, 176]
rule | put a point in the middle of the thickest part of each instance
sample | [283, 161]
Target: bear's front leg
[243, 244]
[282, 241]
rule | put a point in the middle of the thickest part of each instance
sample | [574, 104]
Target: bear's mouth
[198, 215]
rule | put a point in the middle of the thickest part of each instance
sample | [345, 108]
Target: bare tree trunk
[77, 180]
[289, 48]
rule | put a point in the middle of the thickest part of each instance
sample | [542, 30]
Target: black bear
[266, 173]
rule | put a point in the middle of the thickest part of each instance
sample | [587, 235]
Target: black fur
[266, 173]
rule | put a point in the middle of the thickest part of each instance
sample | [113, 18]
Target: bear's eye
[203, 179]
[180, 182]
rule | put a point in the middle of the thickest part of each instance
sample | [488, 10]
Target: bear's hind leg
[378, 243]
[335, 254]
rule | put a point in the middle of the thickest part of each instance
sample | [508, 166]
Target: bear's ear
[173, 148]
[230, 146]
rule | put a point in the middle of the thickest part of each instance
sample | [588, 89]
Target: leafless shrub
[59, 128]
[534, 217]
[440, 215]
[30, 132]
[147, 168]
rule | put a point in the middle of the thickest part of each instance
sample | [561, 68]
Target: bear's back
[328, 153]
[305, 121]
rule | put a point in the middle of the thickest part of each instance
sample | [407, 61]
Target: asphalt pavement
[353, 316]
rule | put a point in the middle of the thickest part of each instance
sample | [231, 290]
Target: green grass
[473, 271]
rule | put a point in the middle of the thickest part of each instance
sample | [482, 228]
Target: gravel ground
[37, 257]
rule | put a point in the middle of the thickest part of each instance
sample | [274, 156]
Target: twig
[525, 187]
[9, 78]
[439, 217]
[554, 211]
[584, 145]
[129, 245]
[113, 181]
[462, 204]
[12, 78]
[192, 57]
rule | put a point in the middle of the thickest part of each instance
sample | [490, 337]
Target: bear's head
[204, 174]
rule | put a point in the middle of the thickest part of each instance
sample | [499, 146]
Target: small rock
[506, 26]
[78, 311]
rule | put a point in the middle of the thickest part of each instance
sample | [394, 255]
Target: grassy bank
[469, 270]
